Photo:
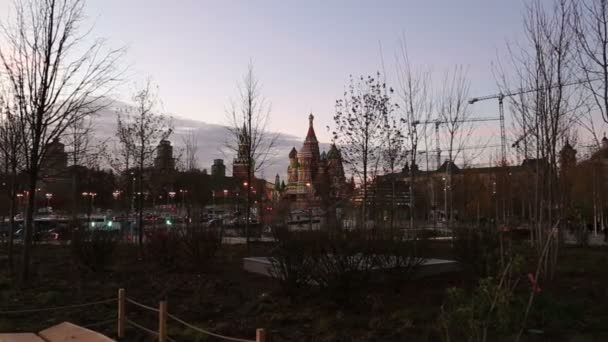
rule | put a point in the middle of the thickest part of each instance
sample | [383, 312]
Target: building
[164, 160]
[313, 177]
[55, 161]
[218, 169]
[240, 164]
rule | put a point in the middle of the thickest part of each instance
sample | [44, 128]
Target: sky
[303, 51]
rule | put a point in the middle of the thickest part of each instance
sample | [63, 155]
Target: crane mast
[438, 122]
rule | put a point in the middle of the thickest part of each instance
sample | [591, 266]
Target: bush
[493, 307]
[162, 246]
[477, 249]
[344, 262]
[93, 250]
[398, 255]
[198, 246]
[186, 248]
[291, 258]
[341, 262]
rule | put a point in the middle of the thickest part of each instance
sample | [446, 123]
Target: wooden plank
[67, 331]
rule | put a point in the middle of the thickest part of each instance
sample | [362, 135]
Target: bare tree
[393, 155]
[453, 111]
[56, 77]
[590, 22]
[190, 141]
[546, 64]
[83, 151]
[121, 160]
[359, 121]
[416, 107]
[141, 130]
[11, 149]
[249, 137]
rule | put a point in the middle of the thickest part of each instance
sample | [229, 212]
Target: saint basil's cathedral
[313, 177]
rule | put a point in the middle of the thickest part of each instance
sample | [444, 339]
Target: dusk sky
[303, 52]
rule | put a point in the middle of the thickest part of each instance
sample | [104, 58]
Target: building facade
[313, 177]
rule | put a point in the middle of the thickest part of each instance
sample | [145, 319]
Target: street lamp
[308, 187]
[48, 196]
[19, 201]
[171, 196]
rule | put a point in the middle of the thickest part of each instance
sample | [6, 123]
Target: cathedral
[313, 177]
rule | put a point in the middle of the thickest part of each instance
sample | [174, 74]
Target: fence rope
[100, 323]
[151, 332]
[141, 305]
[58, 307]
[139, 326]
[203, 331]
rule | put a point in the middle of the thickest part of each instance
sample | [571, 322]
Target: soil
[227, 300]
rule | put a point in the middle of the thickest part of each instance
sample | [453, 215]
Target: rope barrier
[203, 331]
[58, 307]
[139, 326]
[141, 305]
[97, 324]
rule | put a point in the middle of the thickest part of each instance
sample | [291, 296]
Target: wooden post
[121, 313]
[162, 321]
[260, 335]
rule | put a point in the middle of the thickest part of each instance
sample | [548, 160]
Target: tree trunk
[11, 228]
[29, 223]
[248, 205]
[140, 204]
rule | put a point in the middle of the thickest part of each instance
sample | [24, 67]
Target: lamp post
[132, 192]
[308, 190]
[19, 200]
[85, 195]
[171, 196]
[445, 199]
[183, 192]
[91, 197]
[48, 196]
[116, 196]
[213, 203]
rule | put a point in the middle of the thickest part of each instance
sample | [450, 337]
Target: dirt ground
[227, 300]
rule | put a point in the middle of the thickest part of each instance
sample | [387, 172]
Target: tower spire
[310, 119]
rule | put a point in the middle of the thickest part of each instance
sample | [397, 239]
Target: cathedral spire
[311, 136]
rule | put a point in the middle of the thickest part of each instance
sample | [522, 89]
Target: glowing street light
[48, 196]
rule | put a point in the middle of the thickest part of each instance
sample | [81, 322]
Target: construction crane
[501, 112]
[438, 122]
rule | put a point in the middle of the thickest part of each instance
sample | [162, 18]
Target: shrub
[398, 255]
[162, 246]
[344, 262]
[198, 246]
[291, 258]
[341, 262]
[493, 306]
[477, 249]
[93, 250]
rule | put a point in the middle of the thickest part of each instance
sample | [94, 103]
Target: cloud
[211, 140]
